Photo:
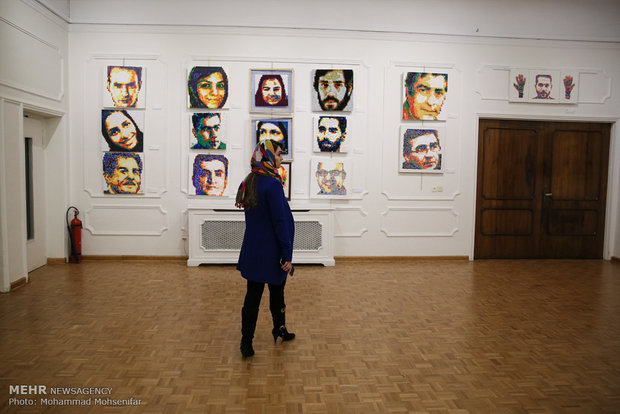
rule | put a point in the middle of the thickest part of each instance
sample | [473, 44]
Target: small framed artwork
[570, 87]
[518, 87]
[207, 87]
[333, 90]
[121, 130]
[208, 131]
[122, 172]
[424, 96]
[208, 174]
[277, 129]
[420, 149]
[330, 133]
[329, 177]
[125, 87]
[285, 174]
[272, 90]
[545, 86]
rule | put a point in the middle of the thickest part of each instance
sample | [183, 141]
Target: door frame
[613, 172]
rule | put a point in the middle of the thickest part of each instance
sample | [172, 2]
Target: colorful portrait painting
[122, 172]
[122, 130]
[208, 174]
[545, 86]
[125, 87]
[207, 87]
[208, 131]
[332, 90]
[424, 96]
[277, 129]
[285, 174]
[329, 177]
[272, 90]
[421, 150]
[518, 87]
[569, 92]
[330, 133]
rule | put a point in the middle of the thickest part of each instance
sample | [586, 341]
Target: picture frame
[330, 177]
[545, 86]
[207, 87]
[425, 96]
[124, 86]
[570, 87]
[519, 85]
[331, 133]
[416, 153]
[123, 173]
[278, 129]
[208, 130]
[271, 90]
[333, 90]
[208, 174]
[122, 130]
[286, 173]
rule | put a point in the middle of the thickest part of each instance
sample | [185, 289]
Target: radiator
[215, 236]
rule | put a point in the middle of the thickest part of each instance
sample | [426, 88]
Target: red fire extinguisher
[75, 236]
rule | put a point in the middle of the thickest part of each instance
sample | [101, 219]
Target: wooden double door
[541, 189]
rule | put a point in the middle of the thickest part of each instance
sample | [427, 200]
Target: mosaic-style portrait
[420, 149]
[272, 90]
[208, 130]
[424, 96]
[329, 177]
[570, 87]
[518, 87]
[285, 174]
[124, 87]
[330, 133]
[333, 90]
[207, 87]
[208, 174]
[545, 86]
[121, 130]
[122, 172]
[277, 129]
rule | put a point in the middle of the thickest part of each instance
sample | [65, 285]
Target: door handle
[547, 194]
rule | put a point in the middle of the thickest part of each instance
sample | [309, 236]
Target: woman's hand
[287, 266]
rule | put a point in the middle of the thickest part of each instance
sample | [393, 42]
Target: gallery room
[425, 195]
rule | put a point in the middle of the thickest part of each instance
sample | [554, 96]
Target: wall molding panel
[126, 220]
[419, 222]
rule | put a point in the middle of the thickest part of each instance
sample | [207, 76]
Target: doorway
[34, 172]
[541, 189]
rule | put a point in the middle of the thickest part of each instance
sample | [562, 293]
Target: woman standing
[267, 249]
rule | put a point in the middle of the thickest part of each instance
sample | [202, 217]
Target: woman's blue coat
[269, 232]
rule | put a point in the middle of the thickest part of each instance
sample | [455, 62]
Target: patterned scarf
[263, 162]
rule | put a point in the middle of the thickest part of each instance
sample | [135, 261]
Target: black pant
[253, 296]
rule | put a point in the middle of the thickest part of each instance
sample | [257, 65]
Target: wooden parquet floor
[411, 337]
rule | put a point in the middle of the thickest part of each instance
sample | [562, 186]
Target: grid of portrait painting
[122, 130]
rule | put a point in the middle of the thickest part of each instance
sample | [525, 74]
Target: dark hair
[199, 116]
[415, 133]
[110, 160]
[342, 122]
[197, 73]
[206, 157]
[258, 97]
[250, 199]
[348, 76]
[412, 77]
[105, 113]
[281, 125]
[136, 69]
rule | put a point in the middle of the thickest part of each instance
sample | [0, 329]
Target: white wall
[394, 214]
[33, 79]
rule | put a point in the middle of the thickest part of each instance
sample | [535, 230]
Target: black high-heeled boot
[248, 326]
[283, 333]
[246, 348]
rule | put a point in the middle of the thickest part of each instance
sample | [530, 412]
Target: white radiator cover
[215, 236]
